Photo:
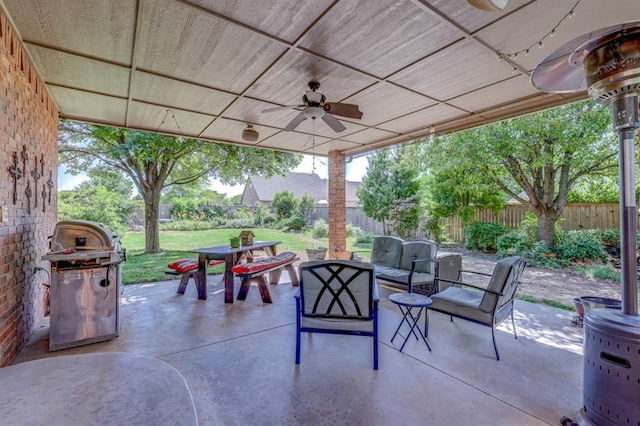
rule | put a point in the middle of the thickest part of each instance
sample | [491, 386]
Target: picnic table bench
[187, 268]
[256, 271]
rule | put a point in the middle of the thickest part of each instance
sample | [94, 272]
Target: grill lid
[81, 234]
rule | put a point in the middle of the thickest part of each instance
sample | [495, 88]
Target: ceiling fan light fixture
[489, 5]
[313, 112]
[250, 134]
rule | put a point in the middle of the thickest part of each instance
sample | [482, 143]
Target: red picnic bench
[255, 272]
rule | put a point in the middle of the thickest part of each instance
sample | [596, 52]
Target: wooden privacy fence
[575, 216]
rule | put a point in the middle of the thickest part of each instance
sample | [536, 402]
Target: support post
[337, 204]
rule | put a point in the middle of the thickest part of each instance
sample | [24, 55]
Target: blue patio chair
[339, 297]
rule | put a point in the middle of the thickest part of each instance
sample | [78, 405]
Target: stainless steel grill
[607, 62]
[86, 277]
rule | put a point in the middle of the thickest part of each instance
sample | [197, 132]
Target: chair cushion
[386, 251]
[185, 265]
[461, 302]
[336, 324]
[505, 272]
[263, 264]
[413, 250]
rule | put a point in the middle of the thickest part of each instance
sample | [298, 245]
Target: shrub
[483, 235]
[518, 243]
[184, 208]
[295, 222]
[285, 204]
[307, 207]
[580, 245]
[320, 229]
[432, 229]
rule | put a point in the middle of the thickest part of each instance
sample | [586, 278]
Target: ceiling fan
[314, 106]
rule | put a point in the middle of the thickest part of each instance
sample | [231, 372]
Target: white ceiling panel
[77, 72]
[384, 101]
[164, 120]
[172, 93]
[183, 42]
[90, 106]
[422, 119]
[495, 95]
[378, 37]
[216, 64]
[463, 77]
[231, 130]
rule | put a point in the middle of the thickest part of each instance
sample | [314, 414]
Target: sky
[355, 170]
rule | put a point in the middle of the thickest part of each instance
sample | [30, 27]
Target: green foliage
[404, 216]
[295, 222]
[432, 228]
[285, 204]
[596, 189]
[483, 235]
[156, 162]
[307, 208]
[535, 159]
[262, 214]
[389, 180]
[518, 243]
[104, 198]
[184, 208]
[320, 229]
[580, 245]
[598, 271]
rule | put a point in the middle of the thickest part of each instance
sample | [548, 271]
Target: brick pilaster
[29, 125]
[337, 204]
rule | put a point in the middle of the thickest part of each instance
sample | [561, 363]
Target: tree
[104, 198]
[536, 159]
[307, 208]
[388, 181]
[285, 204]
[156, 162]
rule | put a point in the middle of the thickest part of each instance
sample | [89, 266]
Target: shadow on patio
[238, 362]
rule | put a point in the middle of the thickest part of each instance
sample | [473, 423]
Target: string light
[540, 43]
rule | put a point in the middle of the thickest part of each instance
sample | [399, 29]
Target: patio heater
[607, 63]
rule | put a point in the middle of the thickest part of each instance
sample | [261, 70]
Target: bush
[483, 235]
[320, 229]
[518, 243]
[295, 222]
[580, 245]
[432, 229]
[285, 204]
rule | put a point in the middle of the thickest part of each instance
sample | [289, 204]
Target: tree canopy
[536, 159]
[156, 162]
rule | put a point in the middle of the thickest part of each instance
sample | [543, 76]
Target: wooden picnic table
[231, 256]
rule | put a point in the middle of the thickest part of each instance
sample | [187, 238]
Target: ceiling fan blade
[282, 107]
[344, 110]
[294, 123]
[333, 123]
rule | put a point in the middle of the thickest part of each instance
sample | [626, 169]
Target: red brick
[27, 119]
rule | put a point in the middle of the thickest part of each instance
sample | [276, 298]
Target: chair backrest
[412, 250]
[504, 279]
[387, 251]
[337, 289]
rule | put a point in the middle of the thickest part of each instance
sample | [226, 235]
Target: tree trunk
[546, 222]
[151, 224]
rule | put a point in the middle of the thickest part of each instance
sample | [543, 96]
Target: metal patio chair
[339, 297]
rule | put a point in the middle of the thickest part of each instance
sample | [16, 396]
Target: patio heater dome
[606, 62]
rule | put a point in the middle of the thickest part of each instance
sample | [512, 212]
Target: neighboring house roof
[296, 183]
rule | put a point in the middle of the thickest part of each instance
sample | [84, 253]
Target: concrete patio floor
[238, 362]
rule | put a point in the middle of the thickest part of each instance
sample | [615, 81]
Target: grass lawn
[141, 267]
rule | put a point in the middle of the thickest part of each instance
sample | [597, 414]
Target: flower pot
[317, 254]
[234, 242]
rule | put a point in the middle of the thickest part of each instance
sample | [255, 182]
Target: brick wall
[337, 204]
[28, 128]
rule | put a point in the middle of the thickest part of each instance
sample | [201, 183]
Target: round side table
[406, 302]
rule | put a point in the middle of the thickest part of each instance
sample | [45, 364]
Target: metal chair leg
[495, 346]
[513, 324]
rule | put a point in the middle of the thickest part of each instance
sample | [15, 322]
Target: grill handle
[615, 359]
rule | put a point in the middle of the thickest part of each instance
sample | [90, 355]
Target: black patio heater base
[607, 62]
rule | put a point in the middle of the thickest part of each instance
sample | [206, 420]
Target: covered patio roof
[207, 68]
